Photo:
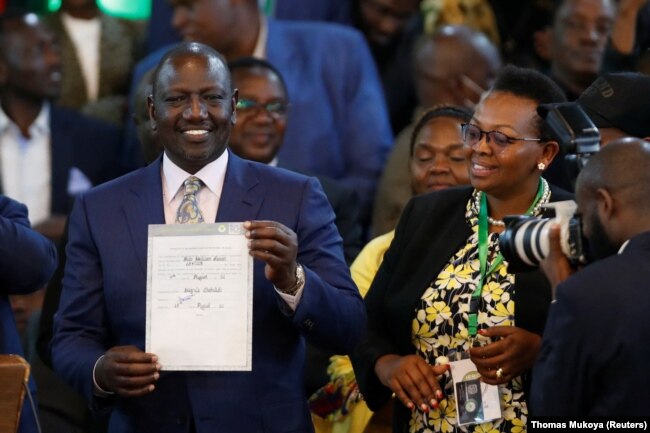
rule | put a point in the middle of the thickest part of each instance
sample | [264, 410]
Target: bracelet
[300, 281]
[99, 391]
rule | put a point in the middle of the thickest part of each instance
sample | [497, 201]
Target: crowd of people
[372, 151]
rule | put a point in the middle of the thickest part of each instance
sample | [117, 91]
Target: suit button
[308, 323]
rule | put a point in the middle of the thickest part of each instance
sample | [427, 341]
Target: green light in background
[131, 9]
[53, 5]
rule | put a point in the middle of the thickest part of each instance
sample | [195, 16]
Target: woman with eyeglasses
[444, 294]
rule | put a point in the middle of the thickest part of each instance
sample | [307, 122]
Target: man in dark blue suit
[302, 288]
[27, 261]
[339, 124]
[262, 113]
[161, 33]
[48, 154]
[594, 356]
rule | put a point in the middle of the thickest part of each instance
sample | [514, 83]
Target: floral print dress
[440, 329]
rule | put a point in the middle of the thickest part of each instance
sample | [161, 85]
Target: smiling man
[302, 288]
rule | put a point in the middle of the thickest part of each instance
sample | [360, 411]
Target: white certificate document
[200, 297]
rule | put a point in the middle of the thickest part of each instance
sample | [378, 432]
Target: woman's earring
[541, 166]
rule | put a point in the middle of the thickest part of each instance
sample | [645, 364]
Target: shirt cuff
[97, 390]
[291, 300]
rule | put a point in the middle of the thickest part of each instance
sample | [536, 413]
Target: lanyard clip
[474, 303]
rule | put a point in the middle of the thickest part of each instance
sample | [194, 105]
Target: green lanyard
[482, 256]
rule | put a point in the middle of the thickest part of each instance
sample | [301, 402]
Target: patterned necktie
[188, 211]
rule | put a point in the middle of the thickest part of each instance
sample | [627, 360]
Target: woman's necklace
[534, 211]
[498, 223]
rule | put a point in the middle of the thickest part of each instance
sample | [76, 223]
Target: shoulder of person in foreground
[596, 304]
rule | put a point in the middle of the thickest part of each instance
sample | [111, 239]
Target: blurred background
[131, 9]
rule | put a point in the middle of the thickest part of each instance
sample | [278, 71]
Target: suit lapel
[447, 237]
[242, 193]
[143, 206]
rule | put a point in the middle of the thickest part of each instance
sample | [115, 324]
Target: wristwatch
[300, 281]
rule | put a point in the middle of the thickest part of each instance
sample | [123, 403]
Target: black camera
[524, 242]
[574, 131]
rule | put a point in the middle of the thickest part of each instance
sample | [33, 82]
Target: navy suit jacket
[161, 32]
[79, 141]
[338, 124]
[104, 291]
[594, 356]
[27, 261]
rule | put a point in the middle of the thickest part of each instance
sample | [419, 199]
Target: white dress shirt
[212, 176]
[26, 164]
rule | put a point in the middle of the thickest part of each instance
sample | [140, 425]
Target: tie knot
[192, 185]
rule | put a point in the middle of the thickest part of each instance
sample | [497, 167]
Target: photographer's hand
[556, 266]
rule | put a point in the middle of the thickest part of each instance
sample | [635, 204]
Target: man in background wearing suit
[27, 261]
[263, 109]
[594, 356]
[48, 154]
[262, 112]
[339, 124]
[99, 52]
[302, 288]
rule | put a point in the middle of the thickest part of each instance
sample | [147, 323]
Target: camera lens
[524, 243]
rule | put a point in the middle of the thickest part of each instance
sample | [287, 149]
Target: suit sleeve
[331, 314]
[81, 325]
[378, 341]
[27, 258]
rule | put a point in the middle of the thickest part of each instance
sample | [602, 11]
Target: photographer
[594, 352]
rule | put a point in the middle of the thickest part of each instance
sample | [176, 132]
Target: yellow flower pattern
[440, 329]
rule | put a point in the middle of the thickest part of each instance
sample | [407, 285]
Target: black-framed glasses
[472, 134]
[274, 108]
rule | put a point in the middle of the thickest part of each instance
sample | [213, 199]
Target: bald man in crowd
[441, 77]
[594, 359]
